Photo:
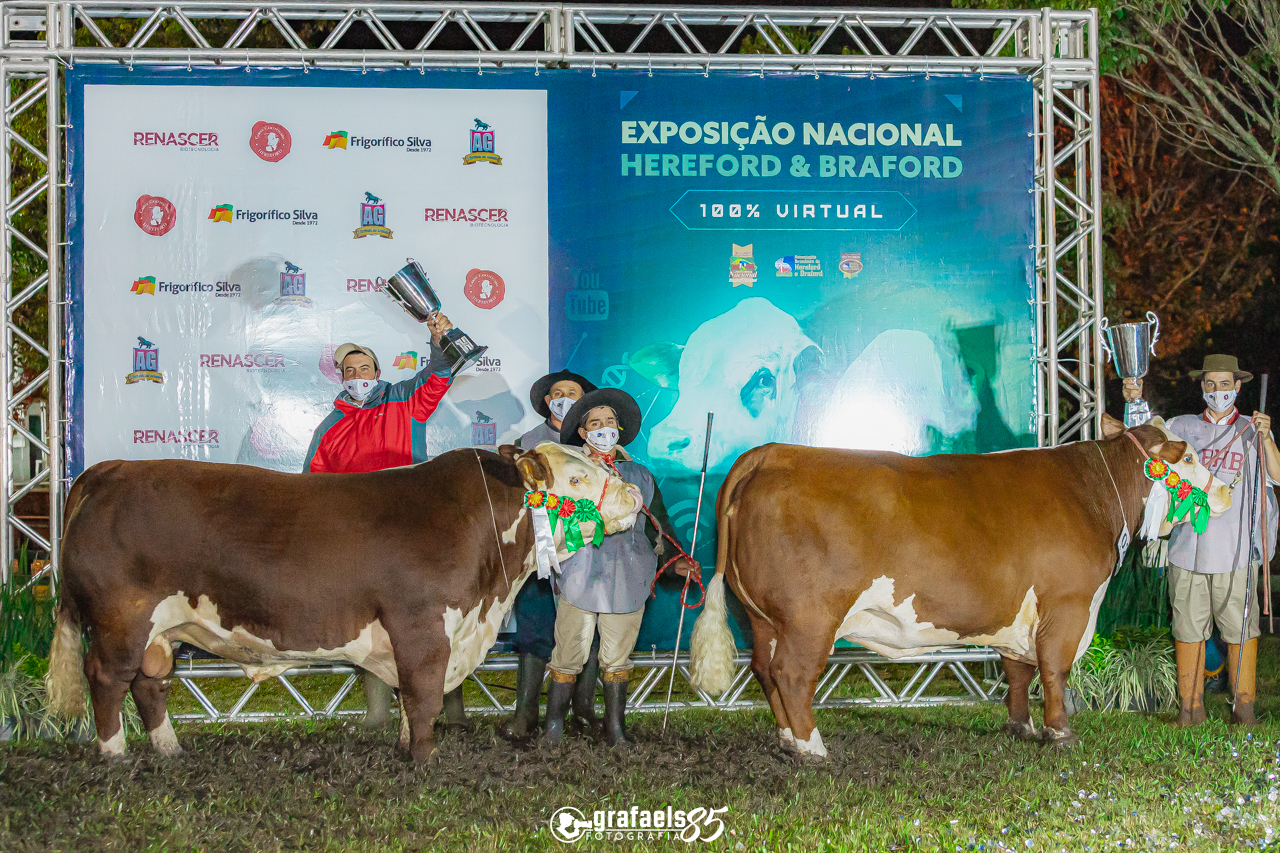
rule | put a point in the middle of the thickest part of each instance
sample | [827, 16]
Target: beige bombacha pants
[575, 629]
[1201, 600]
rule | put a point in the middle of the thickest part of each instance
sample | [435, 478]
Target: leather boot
[1244, 685]
[528, 688]
[615, 709]
[584, 695]
[377, 701]
[1190, 657]
[559, 695]
[455, 713]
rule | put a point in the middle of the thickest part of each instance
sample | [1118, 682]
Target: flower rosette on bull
[1184, 497]
[569, 513]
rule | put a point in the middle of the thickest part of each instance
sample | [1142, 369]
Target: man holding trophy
[1209, 580]
[376, 425]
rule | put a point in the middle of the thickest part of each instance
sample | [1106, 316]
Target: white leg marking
[114, 746]
[813, 746]
[164, 739]
[404, 728]
[787, 740]
[773, 648]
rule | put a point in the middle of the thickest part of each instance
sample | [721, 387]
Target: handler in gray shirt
[1208, 573]
[606, 586]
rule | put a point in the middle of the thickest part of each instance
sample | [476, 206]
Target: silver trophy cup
[1130, 347]
[412, 290]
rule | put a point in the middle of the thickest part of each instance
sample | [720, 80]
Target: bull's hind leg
[107, 688]
[1019, 676]
[766, 643]
[151, 696]
[796, 667]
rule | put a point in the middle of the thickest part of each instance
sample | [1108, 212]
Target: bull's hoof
[1061, 738]
[425, 754]
[1022, 731]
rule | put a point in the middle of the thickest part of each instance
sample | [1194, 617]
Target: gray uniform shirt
[542, 432]
[1224, 545]
[615, 577]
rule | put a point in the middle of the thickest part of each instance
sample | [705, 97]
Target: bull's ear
[535, 470]
[1110, 426]
[1170, 451]
[809, 359]
[509, 451]
[659, 363]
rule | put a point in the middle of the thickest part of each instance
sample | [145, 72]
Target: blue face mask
[1220, 401]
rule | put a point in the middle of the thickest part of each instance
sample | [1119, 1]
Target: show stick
[1262, 503]
[693, 549]
[1257, 495]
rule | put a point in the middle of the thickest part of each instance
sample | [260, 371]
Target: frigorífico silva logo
[228, 213]
[270, 141]
[293, 287]
[373, 218]
[406, 361]
[150, 285]
[155, 214]
[482, 150]
[408, 144]
[146, 363]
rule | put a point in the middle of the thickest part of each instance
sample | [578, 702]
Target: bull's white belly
[895, 631]
[175, 620]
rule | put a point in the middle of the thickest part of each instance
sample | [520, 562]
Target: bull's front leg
[1056, 645]
[422, 656]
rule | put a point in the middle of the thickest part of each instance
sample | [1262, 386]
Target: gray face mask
[560, 407]
[360, 389]
[1220, 401]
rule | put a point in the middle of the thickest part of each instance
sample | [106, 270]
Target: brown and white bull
[406, 572]
[904, 555]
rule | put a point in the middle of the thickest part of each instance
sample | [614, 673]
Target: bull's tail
[65, 683]
[711, 647]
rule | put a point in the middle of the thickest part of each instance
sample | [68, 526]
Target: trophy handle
[1154, 322]
[1103, 325]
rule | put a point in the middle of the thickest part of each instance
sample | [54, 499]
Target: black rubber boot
[615, 713]
[584, 695]
[455, 713]
[559, 695]
[524, 721]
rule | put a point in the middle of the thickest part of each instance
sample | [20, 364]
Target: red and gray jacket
[389, 430]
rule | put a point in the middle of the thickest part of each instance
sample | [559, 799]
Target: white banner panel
[233, 236]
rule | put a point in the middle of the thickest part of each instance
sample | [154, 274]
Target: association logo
[153, 286]
[337, 139]
[229, 213]
[188, 140]
[850, 263]
[483, 430]
[411, 144]
[373, 218]
[482, 150]
[742, 266]
[146, 284]
[146, 363]
[270, 141]
[406, 361]
[485, 288]
[155, 214]
[799, 266]
[293, 287]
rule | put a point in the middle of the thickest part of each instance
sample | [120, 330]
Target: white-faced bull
[406, 572]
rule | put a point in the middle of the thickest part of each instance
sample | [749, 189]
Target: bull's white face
[742, 366]
[574, 475]
[1189, 468]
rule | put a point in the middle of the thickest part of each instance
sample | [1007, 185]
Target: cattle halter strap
[494, 518]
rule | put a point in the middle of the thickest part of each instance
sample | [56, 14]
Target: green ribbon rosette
[570, 513]
[1196, 502]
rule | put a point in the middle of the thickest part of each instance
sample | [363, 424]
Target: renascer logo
[187, 140]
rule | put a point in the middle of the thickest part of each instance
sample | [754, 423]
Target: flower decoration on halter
[1186, 498]
[570, 512]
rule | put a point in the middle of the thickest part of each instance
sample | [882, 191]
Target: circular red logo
[155, 214]
[270, 141]
[485, 288]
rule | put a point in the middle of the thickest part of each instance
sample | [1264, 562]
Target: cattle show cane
[1259, 497]
[693, 549]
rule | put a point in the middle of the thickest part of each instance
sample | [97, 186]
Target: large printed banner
[834, 261]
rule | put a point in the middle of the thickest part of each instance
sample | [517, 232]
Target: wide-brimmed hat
[1222, 364]
[542, 388]
[347, 349]
[623, 405]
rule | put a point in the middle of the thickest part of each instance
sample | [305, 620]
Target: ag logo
[485, 288]
[568, 824]
[482, 150]
[146, 363]
[270, 141]
[373, 218]
[155, 214]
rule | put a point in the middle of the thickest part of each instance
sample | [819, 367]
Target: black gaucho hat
[623, 405]
[542, 388]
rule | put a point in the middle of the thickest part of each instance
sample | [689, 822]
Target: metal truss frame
[845, 669]
[1057, 50]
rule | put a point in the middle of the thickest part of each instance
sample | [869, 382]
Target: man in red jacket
[376, 425]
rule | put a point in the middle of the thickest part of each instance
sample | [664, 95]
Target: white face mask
[360, 389]
[560, 407]
[603, 439]
[1220, 401]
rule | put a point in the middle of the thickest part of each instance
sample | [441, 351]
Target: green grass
[942, 779]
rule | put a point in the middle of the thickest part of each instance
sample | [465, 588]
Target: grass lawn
[942, 779]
